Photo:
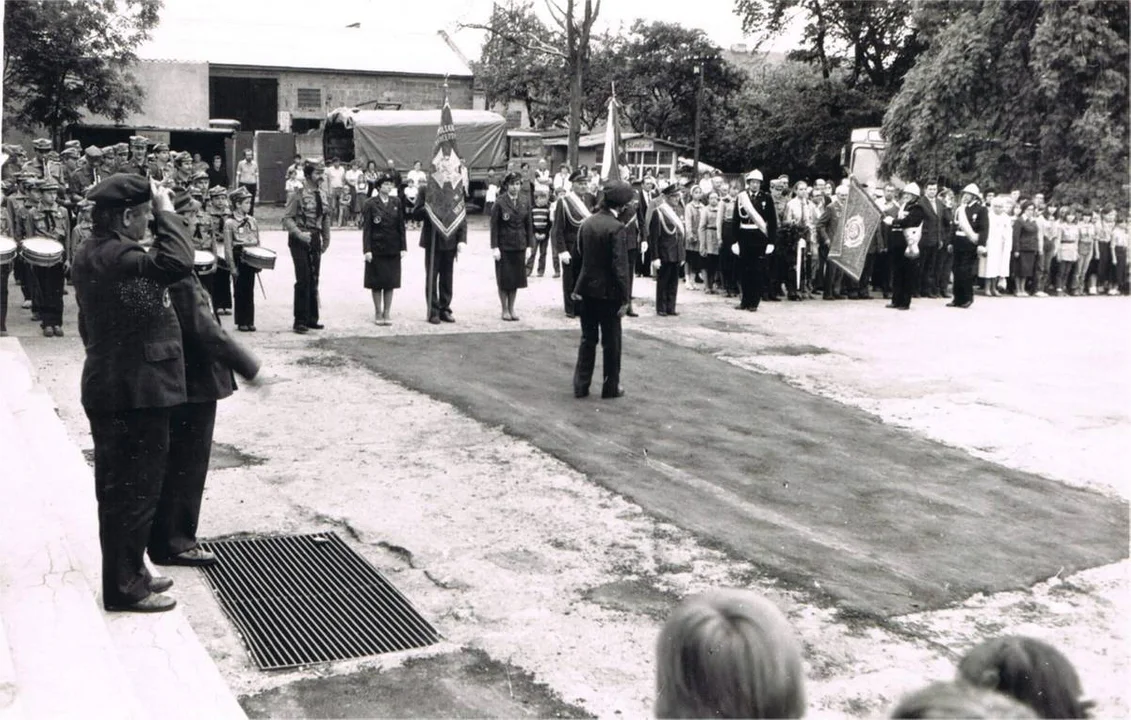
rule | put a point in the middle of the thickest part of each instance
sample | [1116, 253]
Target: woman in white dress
[994, 265]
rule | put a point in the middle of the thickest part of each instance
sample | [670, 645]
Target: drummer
[53, 222]
[240, 231]
[219, 210]
[26, 221]
[202, 238]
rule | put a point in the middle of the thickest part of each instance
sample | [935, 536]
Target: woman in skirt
[512, 236]
[241, 231]
[710, 232]
[383, 242]
[691, 214]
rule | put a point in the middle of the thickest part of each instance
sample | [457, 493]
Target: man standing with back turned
[602, 289]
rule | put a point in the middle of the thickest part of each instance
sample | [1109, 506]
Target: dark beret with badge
[671, 189]
[578, 176]
[618, 193]
[121, 190]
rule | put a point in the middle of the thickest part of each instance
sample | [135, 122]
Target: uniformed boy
[52, 221]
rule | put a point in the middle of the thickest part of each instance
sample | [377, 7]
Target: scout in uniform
[134, 374]
[210, 356]
[601, 292]
[136, 162]
[82, 229]
[51, 221]
[667, 238]
[307, 222]
[570, 211]
[755, 224]
[40, 165]
[219, 210]
[160, 168]
[242, 231]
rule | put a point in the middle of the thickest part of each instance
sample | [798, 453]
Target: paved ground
[516, 555]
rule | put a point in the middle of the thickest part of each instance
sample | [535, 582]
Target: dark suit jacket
[134, 354]
[426, 230]
[752, 243]
[512, 226]
[936, 225]
[914, 218]
[670, 247]
[210, 353]
[382, 227]
[603, 265]
[563, 233]
[979, 217]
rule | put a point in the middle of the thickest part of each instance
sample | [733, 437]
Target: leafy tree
[64, 57]
[1012, 93]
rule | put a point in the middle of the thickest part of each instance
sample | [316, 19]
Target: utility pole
[698, 69]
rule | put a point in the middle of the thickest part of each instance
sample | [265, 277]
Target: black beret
[578, 175]
[386, 178]
[121, 190]
[512, 177]
[618, 193]
[671, 189]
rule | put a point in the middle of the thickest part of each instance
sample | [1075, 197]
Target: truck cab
[862, 156]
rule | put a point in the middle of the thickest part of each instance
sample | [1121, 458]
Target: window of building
[309, 99]
[660, 163]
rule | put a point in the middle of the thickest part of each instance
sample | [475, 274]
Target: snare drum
[259, 258]
[204, 262]
[42, 252]
[8, 248]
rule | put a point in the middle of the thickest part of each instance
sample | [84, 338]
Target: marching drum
[259, 258]
[8, 248]
[204, 262]
[42, 252]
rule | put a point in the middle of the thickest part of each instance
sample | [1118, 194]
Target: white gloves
[643, 247]
[887, 219]
[461, 247]
[404, 252]
[497, 254]
[564, 256]
[734, 249]
[656, 264]
[368, 257]
[770, 249]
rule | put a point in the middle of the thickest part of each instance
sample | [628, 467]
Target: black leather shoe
[159, 584]
[447, 317]
[251, 328]
[661, 314]
[316, 326]
[579, 394]
[571, 316]
[892, 306]
[434, 319]
[154, 603]
[193, 557]
[673, 313]
[632, 313]
[609, 396]
[301, 329]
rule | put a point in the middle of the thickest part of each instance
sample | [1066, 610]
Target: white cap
[913, 189]
[754, 175]
[973, 190]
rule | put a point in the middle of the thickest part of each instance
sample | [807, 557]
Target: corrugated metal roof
[331, 49]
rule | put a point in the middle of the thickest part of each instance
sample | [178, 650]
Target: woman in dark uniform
[512, 236]
[383, 242]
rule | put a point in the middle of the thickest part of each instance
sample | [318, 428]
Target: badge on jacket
[506, 217]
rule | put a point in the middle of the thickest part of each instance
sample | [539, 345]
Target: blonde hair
[958, 700]
[728, 654]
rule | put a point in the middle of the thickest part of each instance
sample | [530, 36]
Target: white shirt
[336, 176]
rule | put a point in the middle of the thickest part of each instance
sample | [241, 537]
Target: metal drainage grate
[304, 599]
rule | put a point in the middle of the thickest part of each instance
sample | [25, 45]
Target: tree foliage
[1019, 94]
[64, 57]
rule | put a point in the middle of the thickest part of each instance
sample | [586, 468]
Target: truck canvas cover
[408, 135]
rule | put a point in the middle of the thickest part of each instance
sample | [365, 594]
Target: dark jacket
[936, 223]
[603, 263]
[979, 218]
[668, 242]
[210, 353]
[382, 227]
[134, 353]
[1026, 236]
[563, 230]
[426, 231]
[752, 243]
[512, 226]
[308, 211]
[913, 218]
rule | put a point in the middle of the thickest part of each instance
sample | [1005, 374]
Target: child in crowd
[540, 216]
[1029, 671]
[958, 700]
[411, 192]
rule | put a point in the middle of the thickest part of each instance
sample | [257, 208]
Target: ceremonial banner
[610, 165]
[443, 200]
[854, 231]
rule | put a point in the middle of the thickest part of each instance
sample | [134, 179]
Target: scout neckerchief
[575, 210]
[673, 224]
[746, 210]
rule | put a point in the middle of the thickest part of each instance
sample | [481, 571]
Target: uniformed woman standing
[384, 244]
[240, 231]
[512, 236]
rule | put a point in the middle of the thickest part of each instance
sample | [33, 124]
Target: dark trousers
[438, 289]
[178, 508]
[776, 267]
[864, 285]
[965, 269]
[1121, 281]
[541, 247]
[667, 286]
[308, 262]
[253, 189]
[131, 451]
[904, 278]
[598, 316]
[832, 277]
[728, 263]
[1105, 271]
[569, 279]
[222, 289]
[750, 278]
[5, 271]
[21, 271]
[944, 265]
[244, 291]
[631, 275]
[711, 270]
[49, 285]
[928, 271]
[881, 277]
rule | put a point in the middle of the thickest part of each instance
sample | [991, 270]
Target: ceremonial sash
[575, 210]
[964, 223]
[673, 224]
[746, 211]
